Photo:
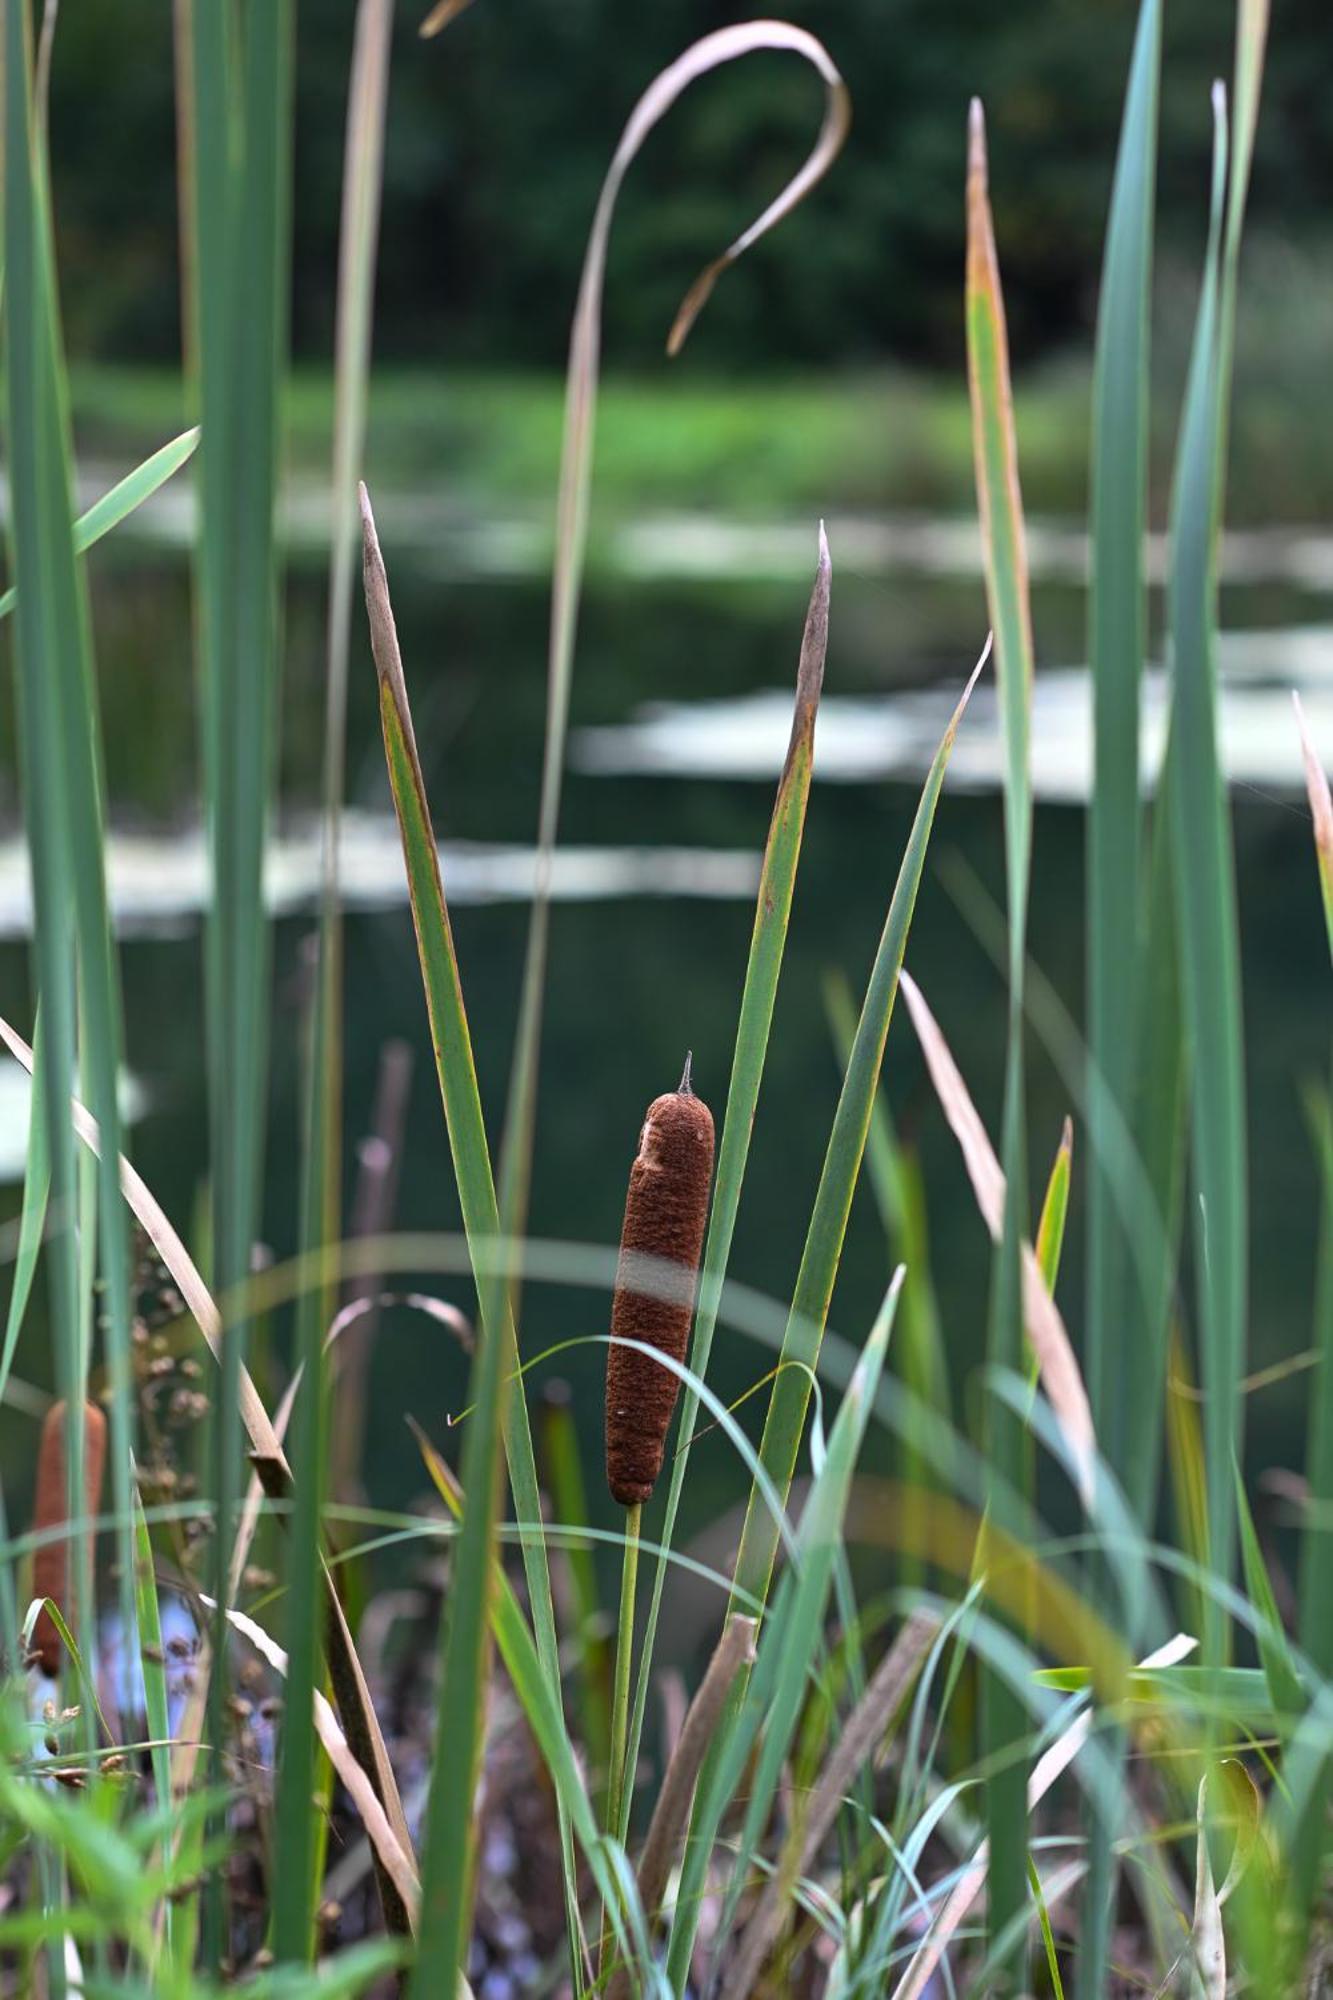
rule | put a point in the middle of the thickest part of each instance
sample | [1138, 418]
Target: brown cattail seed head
[51, 1563]
[665, 1212]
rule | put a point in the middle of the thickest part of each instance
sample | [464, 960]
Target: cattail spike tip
[685, 1088]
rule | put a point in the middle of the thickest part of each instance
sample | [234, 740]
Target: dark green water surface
[635, 982]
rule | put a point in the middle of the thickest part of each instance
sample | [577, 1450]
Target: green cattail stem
[618, 1789]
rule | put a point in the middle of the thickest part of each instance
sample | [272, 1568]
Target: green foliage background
[498, 134]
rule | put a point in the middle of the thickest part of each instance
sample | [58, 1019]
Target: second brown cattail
[665, 1212]
[51, 1561]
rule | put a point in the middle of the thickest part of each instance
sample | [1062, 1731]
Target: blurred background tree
[500, 130]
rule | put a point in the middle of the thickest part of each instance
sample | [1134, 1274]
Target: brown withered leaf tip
[665, 1212]
[51, 1564]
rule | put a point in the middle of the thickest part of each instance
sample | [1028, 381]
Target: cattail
[665, 1212]
[51, 1562]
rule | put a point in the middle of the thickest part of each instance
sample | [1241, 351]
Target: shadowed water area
[686, 660]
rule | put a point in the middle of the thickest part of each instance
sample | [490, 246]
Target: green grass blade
[1005, 553]
[447, 1864]
[362, 181]
[513, 1637]
[792, 1635]
[148, 1626]
[32, 1219]
[709, 53]
[1055, 1209]
[1284, 1683]
[1117, 640]
[1247, 77]
[1204, 865]
[84, 1677]
[569, 1499]
[1316, 1580]
[321, 1157]
[1047, 1935]
[1306, 1836]
[790, 1396]
[1159, 1110]
[55, 655]
[789, 1401]
[1003, 534]
[1205, 901]
[296, 1824]
[128, 494]
[41, 776]
[363, 168]
[560, 1453]
[1117, 636]
[777, 882]
[235, 152]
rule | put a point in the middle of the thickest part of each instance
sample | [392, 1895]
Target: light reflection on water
[158, 883]
[445, 531]
[866, 737]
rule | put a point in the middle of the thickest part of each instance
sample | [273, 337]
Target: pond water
[686, 658]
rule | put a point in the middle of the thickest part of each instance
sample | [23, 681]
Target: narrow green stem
[617, 1792]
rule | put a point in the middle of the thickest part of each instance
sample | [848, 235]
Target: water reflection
[656, 880]
[158, 884]
[894, 736]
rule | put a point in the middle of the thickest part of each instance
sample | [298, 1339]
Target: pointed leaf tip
[976, 143]
[370, 539]
[972, 680]
[814, 646]
[379, 611]
[982, 657]
[439, 18]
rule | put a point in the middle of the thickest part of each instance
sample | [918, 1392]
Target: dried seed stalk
[665, 1212]
[51, 1562]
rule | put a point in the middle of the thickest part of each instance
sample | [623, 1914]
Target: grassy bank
[886, 441]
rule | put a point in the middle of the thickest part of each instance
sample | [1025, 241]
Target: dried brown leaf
[396, 1859]
[1060, 1373]
[354, 1702]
